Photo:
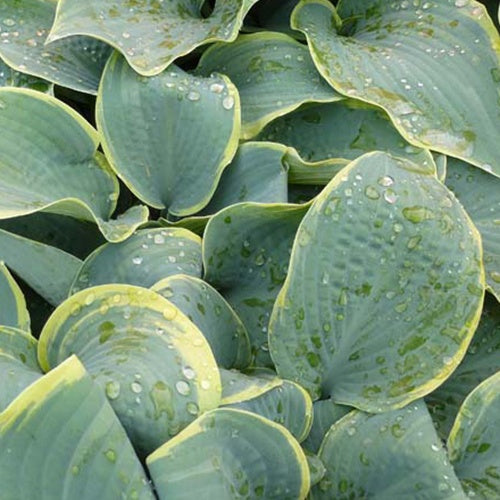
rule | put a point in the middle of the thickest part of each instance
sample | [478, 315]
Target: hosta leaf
[237, 386]
[384, 291]
[144, 259]
[228, 454]
[150, 34]
[154, 365]
[159, 137]
[210, 312]
[75, 63]
[18, 364]
[479, 193]
[341, 130]
[274, 75]
[257, 173]
[281, 401]
[481, 361]
[245, 255]
[46, 269]
[12, 78]
[392, 455]
[13, 310]
[326, 413]
[397, 56]
[75, 236]
[62, 433]
[473, 443]
[56, 168]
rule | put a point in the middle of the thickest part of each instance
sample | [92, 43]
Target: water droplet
[372, 193]
[110, 455]
[169, 313]
[137, 261]
[390, 196]
[386, 181]
[447, 360]
[9, 22]
[89, 299]
[193, 95]
[217, 88]
[192, 408]
[126, 35]
[136, 387]
[159, 239]
[351, 431]
[182, 388]
[188, 372]
[205, 384]
[435, 447]
[112, 389]
[228, 102]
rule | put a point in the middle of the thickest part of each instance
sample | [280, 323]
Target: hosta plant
[249, 249]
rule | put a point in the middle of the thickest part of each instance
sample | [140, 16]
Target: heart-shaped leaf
[473, 442]
[481, 361]
[148, 256]
[393, 54]
[479, 194]
[159, 137]
[63, 434]
[274, 75]
[344, 130]
[76, 63]
[18, 363]
[48, 270]
[63, 174]
[210, 312]
[13, 310]
[154, 365]
[245, 255]
[228, 454]
[392, 455]
[150, 34]
[384, 291]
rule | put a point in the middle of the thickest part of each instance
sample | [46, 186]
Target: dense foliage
[249, 249]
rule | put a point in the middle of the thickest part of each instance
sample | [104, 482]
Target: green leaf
[56, 168]
[145, 258]
[257, 173]
[326, 413]
[392, 455]
[150, 34]
[74, 236]
[76, 63]
[473, 443]
[62, 433]
[159, 137]
[46, 269]
[344, 130]
[13, 310]
[384, 291]
[228, 454]
[481, 361]
[479, 192]
[274, 75]
[154, 365]
[281, 401]
[18, 364]
[393, 54]
[12, 78]
[245, 255]
[210, 312]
